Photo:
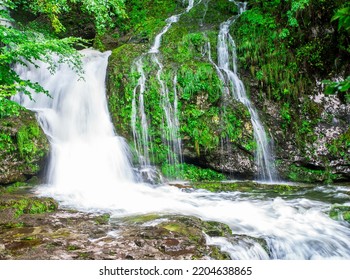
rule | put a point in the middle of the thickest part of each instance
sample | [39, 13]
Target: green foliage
[102, 219]
[104, 12]
[191, 173]
[24, 46]
[340, 146]
[199, 89]
[145, 22]
[6, 143]
[26, 141]
[32, 206]
[197, 79]
[9, 108]
[305, 174]
[312, 54]
[343, 18]
[342, 88]
[285, 115]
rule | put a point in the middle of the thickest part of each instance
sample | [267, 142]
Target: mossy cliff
[23, 147]
[208, 121]
[285, 50]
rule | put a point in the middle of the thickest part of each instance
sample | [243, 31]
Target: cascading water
[85, 152]
[170, 126]
[89, 170]
[227, 69]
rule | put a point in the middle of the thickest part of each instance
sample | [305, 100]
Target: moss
[212, 228]
[31, 206]
[11, 225]
[72, 248]
[142, 218]
[183, 229]
[340, 146]
[102, 220]
[191, 172]
[216, 254]
[304, 174]
[13, 187]
[340, 212]
[223, 186]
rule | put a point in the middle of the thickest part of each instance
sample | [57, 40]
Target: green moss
[7, 144]
[142, 218]
[26, 141]
[183, 229]
[72, 248]
[340, 146]
[191, 173]
[217, 254]
[11, 225]
[304, 174]
[102, 220]
[212, 228]
[32, 206]
[13, 187]
[340, 212]
[216, 186]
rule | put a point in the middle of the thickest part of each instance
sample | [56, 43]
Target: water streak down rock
[227, 69]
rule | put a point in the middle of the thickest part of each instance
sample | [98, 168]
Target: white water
[227, 68]
[89, 170]
[85, 152]
[140, 137]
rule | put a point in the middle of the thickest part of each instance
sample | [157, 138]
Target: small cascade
[141, 137]
[170, 126]
[227, 71]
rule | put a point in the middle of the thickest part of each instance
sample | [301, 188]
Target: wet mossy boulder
[23, 147]
[340, 213]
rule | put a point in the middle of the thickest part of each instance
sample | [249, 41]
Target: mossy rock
[23, 147]
[298, 173]
[141, 219]
[340, 213]
[31, 205]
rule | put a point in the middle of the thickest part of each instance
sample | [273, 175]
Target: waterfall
[227, 69]
[89, 170]
[85, 152]
[170, 126]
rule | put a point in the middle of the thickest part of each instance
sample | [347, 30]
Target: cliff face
[284, 50]
[296, 47]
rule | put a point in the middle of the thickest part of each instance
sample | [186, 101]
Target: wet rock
[65, 234]
[24, 147]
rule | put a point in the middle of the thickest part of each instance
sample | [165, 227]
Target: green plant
[191, 173]
[32, 206]
[340, 212]
[343, 18]
[285, 115]
[25, 141]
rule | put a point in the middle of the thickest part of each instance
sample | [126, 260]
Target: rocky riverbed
[36, 228]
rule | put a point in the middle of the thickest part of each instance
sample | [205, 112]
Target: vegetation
[26, 43]
[191, 173]
[30, 206]
[279, 50]
[340, 212]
